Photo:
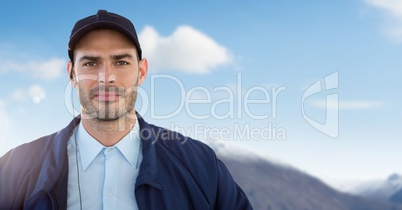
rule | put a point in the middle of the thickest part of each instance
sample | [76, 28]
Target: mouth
[107, 96]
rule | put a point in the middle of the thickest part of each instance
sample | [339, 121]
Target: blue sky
[234, 71]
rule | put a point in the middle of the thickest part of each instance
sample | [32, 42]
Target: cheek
[84, 87]
[129, 80]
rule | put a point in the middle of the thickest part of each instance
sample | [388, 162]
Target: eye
[90, 64]
[122, 63]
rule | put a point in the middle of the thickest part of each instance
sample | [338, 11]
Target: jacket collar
[55, 171]
[149, 167]
[55, 158]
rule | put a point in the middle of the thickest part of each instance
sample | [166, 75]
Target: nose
[106, 75]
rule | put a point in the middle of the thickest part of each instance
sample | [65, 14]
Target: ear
[71, 74]
[143, 70]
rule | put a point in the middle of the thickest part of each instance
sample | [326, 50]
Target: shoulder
[32, 166]
[180, 144]
[19, 171]
[172, 144]
[26, 154]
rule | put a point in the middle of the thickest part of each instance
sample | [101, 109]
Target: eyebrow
[118, 57]
[114, 57]
[91, 58]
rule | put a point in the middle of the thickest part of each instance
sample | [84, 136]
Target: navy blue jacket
[176, 172]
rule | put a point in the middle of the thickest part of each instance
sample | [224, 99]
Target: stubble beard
[106, 111]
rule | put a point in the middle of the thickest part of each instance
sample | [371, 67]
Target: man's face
[107, 75]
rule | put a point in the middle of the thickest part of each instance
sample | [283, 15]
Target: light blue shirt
[106, 175]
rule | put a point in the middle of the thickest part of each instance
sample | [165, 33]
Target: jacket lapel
[148, 173]
[54, 174]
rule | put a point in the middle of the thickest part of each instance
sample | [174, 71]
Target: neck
[108, 133]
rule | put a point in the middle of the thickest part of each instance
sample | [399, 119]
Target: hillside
[274, 185]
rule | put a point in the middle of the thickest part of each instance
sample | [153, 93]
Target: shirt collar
[129, 146]
[89, 147]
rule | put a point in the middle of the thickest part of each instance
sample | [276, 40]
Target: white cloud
[393, 12]
[187, 50]
[352, 104]
[36, 93]
[394, 7]
[50, 69]
[27, 64]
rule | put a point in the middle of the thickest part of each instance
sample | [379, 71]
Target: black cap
[103, 19]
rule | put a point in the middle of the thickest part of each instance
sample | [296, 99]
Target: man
[109, 157]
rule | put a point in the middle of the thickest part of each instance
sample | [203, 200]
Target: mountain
[396, 197]
[389, 189]
[270, 184]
